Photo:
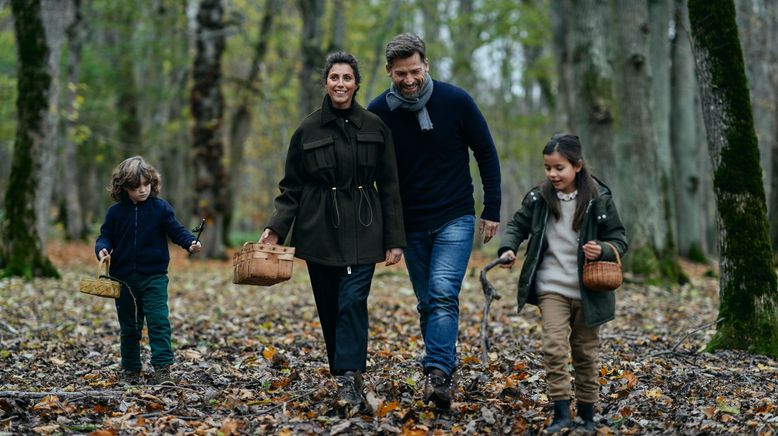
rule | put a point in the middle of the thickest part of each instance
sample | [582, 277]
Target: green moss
[696, 254]
[642, 261]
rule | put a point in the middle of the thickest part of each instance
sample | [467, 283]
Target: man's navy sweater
[138, 233]
[434, 165]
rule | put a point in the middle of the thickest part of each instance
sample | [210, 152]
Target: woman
[340, 190]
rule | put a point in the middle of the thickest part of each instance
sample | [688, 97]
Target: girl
[134, 236]
[567, 218]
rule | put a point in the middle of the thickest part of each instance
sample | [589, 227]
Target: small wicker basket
[603, 275]
[262, 264]
[103, 285]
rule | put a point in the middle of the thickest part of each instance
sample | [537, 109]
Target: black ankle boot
[561, 417]
[586, 413]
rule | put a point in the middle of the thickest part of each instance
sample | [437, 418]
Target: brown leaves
[252, 361]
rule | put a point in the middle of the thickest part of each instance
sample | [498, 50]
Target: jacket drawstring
[334, 212]
[363, 195]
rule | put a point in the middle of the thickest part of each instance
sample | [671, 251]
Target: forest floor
[251, 360]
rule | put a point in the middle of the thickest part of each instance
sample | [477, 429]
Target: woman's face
[341, 85]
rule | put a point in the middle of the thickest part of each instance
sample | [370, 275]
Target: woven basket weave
[102, 286]
[262, 264]
[603, 275]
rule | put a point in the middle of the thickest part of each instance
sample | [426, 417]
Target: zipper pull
[348, 270]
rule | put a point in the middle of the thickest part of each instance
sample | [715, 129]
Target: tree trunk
[55, 16]
[635, 143]
[312, 56]
[687, 147]
[22, 249]
[210, 178]
[74, 225]
[241, 118]
[561, 21]
[376, 69]
[593, 79]
[748, 308]
[337, 27]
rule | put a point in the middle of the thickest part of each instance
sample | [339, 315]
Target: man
[434, 125]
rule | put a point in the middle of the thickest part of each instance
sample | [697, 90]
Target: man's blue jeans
[437, 262]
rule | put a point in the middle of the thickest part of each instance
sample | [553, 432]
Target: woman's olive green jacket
[340, 189]
[601, 223]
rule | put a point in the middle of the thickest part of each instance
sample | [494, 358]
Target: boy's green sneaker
[162, 376]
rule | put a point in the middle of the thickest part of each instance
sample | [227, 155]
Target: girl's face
[141, 193]
[561, 172]
[341, 85]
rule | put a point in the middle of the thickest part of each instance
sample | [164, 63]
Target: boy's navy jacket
[138, 234]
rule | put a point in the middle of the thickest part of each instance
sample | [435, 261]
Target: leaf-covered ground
[251, 360]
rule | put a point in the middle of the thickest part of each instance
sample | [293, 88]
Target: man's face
[408, 75]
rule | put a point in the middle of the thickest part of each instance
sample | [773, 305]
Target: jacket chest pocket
[319, 154]
[368, 146]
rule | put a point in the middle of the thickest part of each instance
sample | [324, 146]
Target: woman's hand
[393, 255]
[510, 255]
[104, 253]
[269, 237]
[592, 250]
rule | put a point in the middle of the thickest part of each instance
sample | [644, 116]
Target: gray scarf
[395, 99]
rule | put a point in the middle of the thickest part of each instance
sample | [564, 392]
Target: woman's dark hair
[569, 146]
[341, 57]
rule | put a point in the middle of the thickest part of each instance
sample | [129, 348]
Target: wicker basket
[103, 285]
[262, 264]
[603, 275]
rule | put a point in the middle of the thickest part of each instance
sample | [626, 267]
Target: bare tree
[748, 307]
[310, 89]
[207, 102]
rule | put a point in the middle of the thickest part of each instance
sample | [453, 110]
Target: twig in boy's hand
[199, 230]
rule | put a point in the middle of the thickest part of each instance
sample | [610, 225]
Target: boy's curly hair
[127, 175]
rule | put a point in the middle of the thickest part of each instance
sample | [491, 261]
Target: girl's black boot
[586, 413]
[561, 417]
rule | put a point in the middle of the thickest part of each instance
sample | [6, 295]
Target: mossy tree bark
[208, 111]
[748, 309]
[312, 56]
[22, 253]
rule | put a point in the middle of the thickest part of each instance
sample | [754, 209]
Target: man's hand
[393, 255]
[269, 237]
[488, 229]
[510, 255]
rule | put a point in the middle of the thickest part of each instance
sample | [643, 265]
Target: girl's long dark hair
[569, 146]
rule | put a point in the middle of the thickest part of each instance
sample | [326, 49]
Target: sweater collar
[356, 114]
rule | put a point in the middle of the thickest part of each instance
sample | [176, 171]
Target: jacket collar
[356, 116]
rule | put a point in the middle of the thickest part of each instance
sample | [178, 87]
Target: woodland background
[217, 124]
[209, 91]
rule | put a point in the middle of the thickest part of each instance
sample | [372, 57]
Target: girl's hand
[393, 255]
[508, 255]
[269, 237]
[592, 250]
[195, 247]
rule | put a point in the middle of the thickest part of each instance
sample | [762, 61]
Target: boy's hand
[104, 253]
[510, 255]
[195, 247]
[592, 250]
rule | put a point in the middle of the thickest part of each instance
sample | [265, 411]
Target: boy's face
[140, 193]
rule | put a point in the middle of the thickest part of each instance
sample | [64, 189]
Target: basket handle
[104, 261]
[618, 257]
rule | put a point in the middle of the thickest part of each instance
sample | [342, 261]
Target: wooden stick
[490, 293]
